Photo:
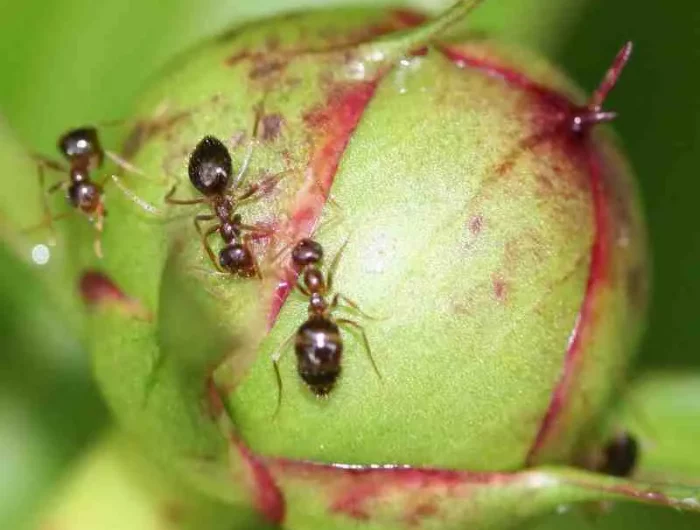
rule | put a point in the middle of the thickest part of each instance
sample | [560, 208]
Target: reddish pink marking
[422, 511]
[96, 288]
[611, 76]
[408, 17]
[499, 287]
[420, 52]
[597, 276]
[563, 110]
[398, 19]
[476, 223]
[267, 496]
[214, 402]
[333, 123]
[352, 489]
[510, 76]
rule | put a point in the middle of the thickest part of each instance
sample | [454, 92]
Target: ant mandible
[83, 151]
[210, 171]
[317, 342]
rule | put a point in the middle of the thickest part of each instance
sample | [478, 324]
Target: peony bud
[484, 224]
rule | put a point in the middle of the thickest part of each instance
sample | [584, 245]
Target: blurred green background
[70, 62]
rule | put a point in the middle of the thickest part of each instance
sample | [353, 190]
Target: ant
[317, 342]
[83, 151]
[620, 456]
[210, 171]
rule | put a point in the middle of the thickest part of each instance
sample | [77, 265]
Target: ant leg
[303, 289]
[125, 164]
[208, 272]
[249, 150]
[254, 191]
[205, 235]
[48, 222]
[332, 219]
[334, 265]
[244, 166]
[258, 230]
[352, 304]
[129, 194]
[365, 341]
[49, 163]
[276, 356]
[48, 218]
[99, 227]
[169, 198]
[246, 244]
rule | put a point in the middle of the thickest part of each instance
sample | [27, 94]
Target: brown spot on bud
[500, 288]
[267, 496]
[476, 223]
[266, 67]
[271, 126]
[173, 513]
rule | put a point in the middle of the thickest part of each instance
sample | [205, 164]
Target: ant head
[210, 166]
[307, 252]
[82, 143]
[620, 455]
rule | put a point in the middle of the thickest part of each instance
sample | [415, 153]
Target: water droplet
[376, 56]
[41, 254]
[691, 502]
[356, 70]
[406, 67]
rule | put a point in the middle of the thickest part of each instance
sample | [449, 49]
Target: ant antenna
[129, 194]
[259, 108]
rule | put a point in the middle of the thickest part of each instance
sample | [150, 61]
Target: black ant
[83, 151]
[210, 171]
[620, 456]
[317, 342]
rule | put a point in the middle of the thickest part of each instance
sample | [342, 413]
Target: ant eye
[307, 252]
[210, 166]
[81, 142]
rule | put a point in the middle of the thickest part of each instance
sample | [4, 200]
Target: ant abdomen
[319, 349]
[237, 258]
[210, 167]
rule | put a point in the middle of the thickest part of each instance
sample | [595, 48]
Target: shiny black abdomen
[319, 348]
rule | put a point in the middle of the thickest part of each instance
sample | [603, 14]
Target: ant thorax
[313, 280]
[223, 207]
[317, 304]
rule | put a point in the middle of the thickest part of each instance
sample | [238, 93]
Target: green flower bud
[487, 228]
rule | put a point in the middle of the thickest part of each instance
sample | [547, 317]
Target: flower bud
[482, 229]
